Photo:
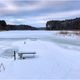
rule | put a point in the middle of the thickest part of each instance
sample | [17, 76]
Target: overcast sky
[38, 12]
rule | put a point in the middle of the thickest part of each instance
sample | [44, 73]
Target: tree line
[71, 24]
[5, 26]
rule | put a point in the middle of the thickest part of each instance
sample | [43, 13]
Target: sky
[37, 12]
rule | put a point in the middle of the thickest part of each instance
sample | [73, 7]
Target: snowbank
[50, 62]
[7, 51]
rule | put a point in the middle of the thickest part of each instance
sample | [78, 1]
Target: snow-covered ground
[57, 56]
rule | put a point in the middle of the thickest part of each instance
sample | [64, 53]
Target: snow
[57, 57]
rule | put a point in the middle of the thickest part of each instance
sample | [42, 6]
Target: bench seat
[20, 54]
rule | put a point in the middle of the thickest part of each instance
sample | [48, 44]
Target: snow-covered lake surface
[57, 56]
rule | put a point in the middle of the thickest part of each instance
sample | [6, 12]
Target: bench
[20, 54]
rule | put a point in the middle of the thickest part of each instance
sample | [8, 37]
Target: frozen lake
[53, 36]
[56, 57]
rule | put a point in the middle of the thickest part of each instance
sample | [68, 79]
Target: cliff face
[72, 24]
[4, 26]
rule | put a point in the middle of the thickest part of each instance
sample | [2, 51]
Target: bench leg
[20, 56]
[14, 55]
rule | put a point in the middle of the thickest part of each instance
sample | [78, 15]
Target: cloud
[8, 7]
[15, 6]
[38, 12]
[41, 20]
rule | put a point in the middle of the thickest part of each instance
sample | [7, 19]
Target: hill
[71, 24]
[4, 26]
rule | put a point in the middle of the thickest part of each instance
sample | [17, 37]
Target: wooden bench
[20, 54]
